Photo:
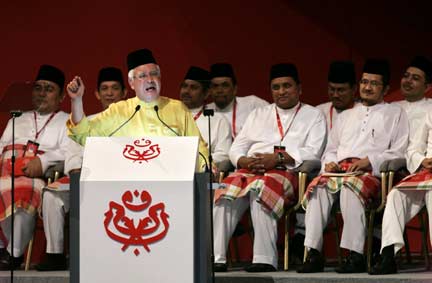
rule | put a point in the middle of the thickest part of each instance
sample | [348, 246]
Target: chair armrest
[397, 164]
[309, 166]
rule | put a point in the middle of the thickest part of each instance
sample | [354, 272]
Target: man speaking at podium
[146, 114]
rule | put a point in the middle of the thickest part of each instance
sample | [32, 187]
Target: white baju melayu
[305, 140]
[53, 140]
[403, 205]
[330, 113]
[379, 132]
[220, 136]
[243, 105]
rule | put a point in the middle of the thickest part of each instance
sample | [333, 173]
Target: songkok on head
[222, 70]
[284, 70]
[423, 64]
[378, 67]
[52, 74]
[110, 74]
[197, 74]
[342, 72]
[140, 57]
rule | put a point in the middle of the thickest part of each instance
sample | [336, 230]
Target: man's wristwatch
[281, 158]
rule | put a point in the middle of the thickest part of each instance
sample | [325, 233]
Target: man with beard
[145, 79]
[361, 139]
[341, 91]
[223, 91]
[407, 198]
[274, 140]
[40, 141]
[193, 93]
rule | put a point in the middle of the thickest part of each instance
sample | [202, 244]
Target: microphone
[137, 108]
[156, 109]
[208, 112]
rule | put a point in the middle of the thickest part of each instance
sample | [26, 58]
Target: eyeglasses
[224, 85]
[372, 83]
[143, 76]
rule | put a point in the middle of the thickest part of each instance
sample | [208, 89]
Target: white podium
[139, 218]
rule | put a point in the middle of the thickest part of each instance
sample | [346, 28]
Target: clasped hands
[359, 165]
[259, 163]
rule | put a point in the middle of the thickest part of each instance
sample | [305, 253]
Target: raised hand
[75, 88]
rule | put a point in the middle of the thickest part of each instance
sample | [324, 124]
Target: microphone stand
[209, 113]
[14, 114]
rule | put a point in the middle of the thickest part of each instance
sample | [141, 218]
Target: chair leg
[370, 239]
[407, 247]
[286, 249]
[29, 254]
[425, 250]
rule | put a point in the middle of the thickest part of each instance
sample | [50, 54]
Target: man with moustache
[40, 142]
[223, 91]
[361, 139]
[145, 79]
[414, 84]
[193, 93]
[407, 198]
[341, 91]
[274, 140]
[55, 204]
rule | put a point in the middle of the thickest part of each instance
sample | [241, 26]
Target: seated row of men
[269, 142]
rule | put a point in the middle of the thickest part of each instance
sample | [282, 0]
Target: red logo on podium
[150, 229]
[141, 150]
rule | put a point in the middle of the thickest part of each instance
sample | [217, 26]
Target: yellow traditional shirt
[145, 122]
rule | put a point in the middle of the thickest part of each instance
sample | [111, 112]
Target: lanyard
[281, 132]
[234, 134]
[46, 123]
[197, 115]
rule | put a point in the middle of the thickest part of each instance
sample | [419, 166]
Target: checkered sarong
[418, 181]
[365, 186]
[27, 190]
[275, 189]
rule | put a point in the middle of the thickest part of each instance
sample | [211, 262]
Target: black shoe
[260, 267]
[5, 263]
[354, 263]
[219, 267]
[314, 263]
[386, 265]
[52, 262]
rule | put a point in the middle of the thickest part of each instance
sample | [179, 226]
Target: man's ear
[125, 93]
[97, 95]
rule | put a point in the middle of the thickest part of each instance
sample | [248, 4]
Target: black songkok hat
[110, 74]
[342, 72]
[222, 70]
[423, 64]
[284, 70]
[197, 74]
[378, 67]
[140, 57]
[52, 74]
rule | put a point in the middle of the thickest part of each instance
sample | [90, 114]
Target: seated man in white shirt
[414, 192]
[110, 89]
[361, 139]
[193, 93]
[40, 141]
[223, 91]
[342, 92]
[274, 140]
[415, 82]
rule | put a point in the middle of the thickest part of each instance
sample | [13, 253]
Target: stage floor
[238, 276]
